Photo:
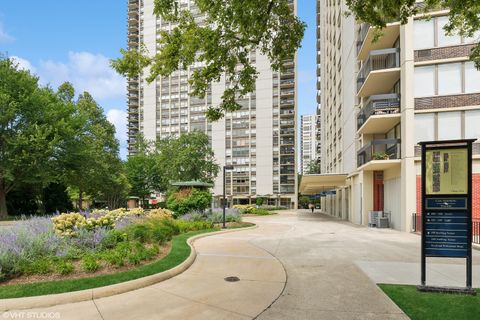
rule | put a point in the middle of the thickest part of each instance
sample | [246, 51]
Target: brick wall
[451, 101]
[443, 53]
[475, 195]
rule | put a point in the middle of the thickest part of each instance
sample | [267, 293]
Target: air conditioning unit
[383, 222]
[373, 218]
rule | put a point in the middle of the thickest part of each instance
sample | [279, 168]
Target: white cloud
[4, 36]
[87, 72]
[23, 64]
[119, 119]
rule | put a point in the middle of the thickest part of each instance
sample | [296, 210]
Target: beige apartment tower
[379, 99]
[259, 140]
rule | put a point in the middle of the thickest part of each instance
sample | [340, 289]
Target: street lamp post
[225, 168]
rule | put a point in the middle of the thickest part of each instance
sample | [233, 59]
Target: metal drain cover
[232, 279]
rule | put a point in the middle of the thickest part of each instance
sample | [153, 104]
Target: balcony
[380, 114]
[287, 83]
[366, 35]
[379, 72]
[379, 155]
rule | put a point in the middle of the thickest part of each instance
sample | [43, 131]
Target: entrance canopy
[316, 183]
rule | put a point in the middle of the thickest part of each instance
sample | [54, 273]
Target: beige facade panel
[379, 81]
[389, 35]
[379, 123]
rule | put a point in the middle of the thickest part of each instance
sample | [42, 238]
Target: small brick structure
[450, 101]
[462, 50]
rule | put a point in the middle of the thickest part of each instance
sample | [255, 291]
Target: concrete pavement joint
[98, 310]
[203, 303]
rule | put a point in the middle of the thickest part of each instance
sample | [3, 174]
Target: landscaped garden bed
[70, 252]
[253, 210]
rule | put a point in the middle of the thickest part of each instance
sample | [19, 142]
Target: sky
[74, 41]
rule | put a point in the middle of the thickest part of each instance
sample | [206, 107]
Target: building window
[443, 38]
[424, 81]
[472, 78]
[424, 127]
[449, 125]
[446, 79]
[449, 78]
[423, 34]
[431, 33]
[472, 127]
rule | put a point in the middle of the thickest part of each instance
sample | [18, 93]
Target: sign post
[447, 206]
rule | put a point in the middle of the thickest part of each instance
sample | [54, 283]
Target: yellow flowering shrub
[160, 213]
[67, 224]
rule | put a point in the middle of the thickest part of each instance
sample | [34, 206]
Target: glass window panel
[423, 34]
[472, 78]
[424, 81]
[472, 124]
[424, 127]
[475, 38]
[449, 78]
[449, 125]
[443, 38]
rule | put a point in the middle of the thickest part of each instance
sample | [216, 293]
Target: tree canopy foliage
[49, 141]
[464, 15]
[221, 43]
[156, 165]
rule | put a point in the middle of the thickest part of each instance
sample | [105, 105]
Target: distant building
[308, 144]
[259, 140]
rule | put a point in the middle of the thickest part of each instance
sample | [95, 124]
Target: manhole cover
[232, 279]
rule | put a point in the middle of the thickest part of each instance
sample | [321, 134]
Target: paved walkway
[296, 265]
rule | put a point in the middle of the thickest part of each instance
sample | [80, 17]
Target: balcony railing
[378, 105]
[378, 60]
[381, 149]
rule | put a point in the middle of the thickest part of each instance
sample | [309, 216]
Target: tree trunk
[3, 204]
[80, 200]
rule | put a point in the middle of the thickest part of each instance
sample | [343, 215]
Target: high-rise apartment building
[308, 144]
[318, 126]
[379, 99]
[259, 140]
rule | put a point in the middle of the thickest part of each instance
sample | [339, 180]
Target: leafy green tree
[313, 167]
[303, 201]
[143, 172]
[464, 15]
[33, 124]
[222, 43]
[186, 158]
[91, 150]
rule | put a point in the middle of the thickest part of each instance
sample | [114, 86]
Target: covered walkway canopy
[316, 183]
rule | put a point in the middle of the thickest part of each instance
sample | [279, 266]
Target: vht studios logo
[30, 315]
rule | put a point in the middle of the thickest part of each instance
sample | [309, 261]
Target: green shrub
[261, 212]
[37, 266]
[188, 200]
[114, 258]
[140, 232]
[187, 226]
[90, 264]
[161, 233]
[172, 225]
[112, 238]
[64, 267]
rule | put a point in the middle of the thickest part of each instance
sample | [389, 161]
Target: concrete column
[408, 179]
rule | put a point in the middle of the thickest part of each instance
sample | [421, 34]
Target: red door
[378, 190]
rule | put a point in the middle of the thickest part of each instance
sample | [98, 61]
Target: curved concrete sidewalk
[201, 292]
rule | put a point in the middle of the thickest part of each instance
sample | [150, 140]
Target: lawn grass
[179, 253]
[433, 306]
